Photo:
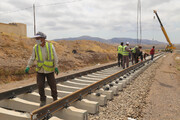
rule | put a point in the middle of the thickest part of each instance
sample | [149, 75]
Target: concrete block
[19, 104]
[85, 77]
[91, 79]
[62, 87]
[131, 78]
[60, 93]
[107, 71]
[34, 97]
[102, 99]
[13, 115]
[127, 81]
[92, 107]
[109, 93]
[75, 84]
[83, 81]
[55, 118]
[96, 76]
[124, 83]
[72, 113]
[104, 74]
[114, 89]
[119, 85]
[101, 74]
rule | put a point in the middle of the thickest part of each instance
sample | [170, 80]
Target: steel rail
[46, 111]
[28, 89]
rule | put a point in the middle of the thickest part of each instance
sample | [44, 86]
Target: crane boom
[164, 32]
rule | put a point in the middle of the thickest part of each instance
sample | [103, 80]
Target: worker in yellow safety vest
[126, 52]
[120, 56]
[47, 63]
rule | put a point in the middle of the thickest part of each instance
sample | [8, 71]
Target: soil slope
[15, 52]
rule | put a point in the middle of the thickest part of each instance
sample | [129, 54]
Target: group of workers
[125, 53]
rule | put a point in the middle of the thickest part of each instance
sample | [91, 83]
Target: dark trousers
[134, 58]
[130, 56]
[41, 85]
[120, 58]
[125, 61]
[141, 55]
[152, 56]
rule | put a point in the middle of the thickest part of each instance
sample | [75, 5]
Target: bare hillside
[15, 52]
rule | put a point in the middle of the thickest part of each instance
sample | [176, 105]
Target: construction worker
[126, 52]
[136, 53]
[145, 55]
[140, 55]
[47, 62]
[152, 52]
[120, 56]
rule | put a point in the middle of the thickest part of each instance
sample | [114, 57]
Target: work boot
[42, 103]
[54, 99]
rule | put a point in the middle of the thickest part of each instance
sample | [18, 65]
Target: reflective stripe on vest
[134, 49]
[120, 49]
[48, 64]
[125, 53]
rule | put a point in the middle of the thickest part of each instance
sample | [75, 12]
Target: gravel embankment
[131, 101]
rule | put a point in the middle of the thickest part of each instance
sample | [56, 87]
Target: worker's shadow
[162, 84]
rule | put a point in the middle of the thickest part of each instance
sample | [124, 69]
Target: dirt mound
[15, 52]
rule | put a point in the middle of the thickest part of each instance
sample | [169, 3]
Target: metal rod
[34, 19]
[140, 22]
[137, 23]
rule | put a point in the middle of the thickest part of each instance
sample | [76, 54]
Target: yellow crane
[169, 47]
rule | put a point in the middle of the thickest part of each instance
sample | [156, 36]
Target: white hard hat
[40, 34]
[127, 43]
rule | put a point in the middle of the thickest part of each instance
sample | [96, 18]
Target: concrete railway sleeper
[79, 94]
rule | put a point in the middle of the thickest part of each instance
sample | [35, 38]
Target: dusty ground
[154, 95]
[163, 102]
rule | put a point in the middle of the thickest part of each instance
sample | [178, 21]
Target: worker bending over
[47, 62]
[120, 56]
[136, 52]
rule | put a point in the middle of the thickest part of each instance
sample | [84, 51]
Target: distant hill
[113, 40]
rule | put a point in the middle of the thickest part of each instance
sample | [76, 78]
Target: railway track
[79, 94]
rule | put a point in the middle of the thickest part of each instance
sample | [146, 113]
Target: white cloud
[102, 18]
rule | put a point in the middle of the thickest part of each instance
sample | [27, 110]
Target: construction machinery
[169, 47]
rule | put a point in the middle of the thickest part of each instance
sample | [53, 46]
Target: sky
[97, 18]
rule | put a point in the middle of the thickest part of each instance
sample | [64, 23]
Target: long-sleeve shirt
[152, 51]
[137, 51]
[127, 49]
[45, 57]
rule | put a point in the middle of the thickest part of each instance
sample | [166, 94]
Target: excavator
[170, 47]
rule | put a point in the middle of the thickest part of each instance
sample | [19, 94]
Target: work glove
[27, 70]
[56, 71]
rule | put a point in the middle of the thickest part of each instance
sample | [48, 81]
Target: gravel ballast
[131, 101]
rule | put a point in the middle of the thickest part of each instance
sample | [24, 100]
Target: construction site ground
[163, 101]
[154, 95]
